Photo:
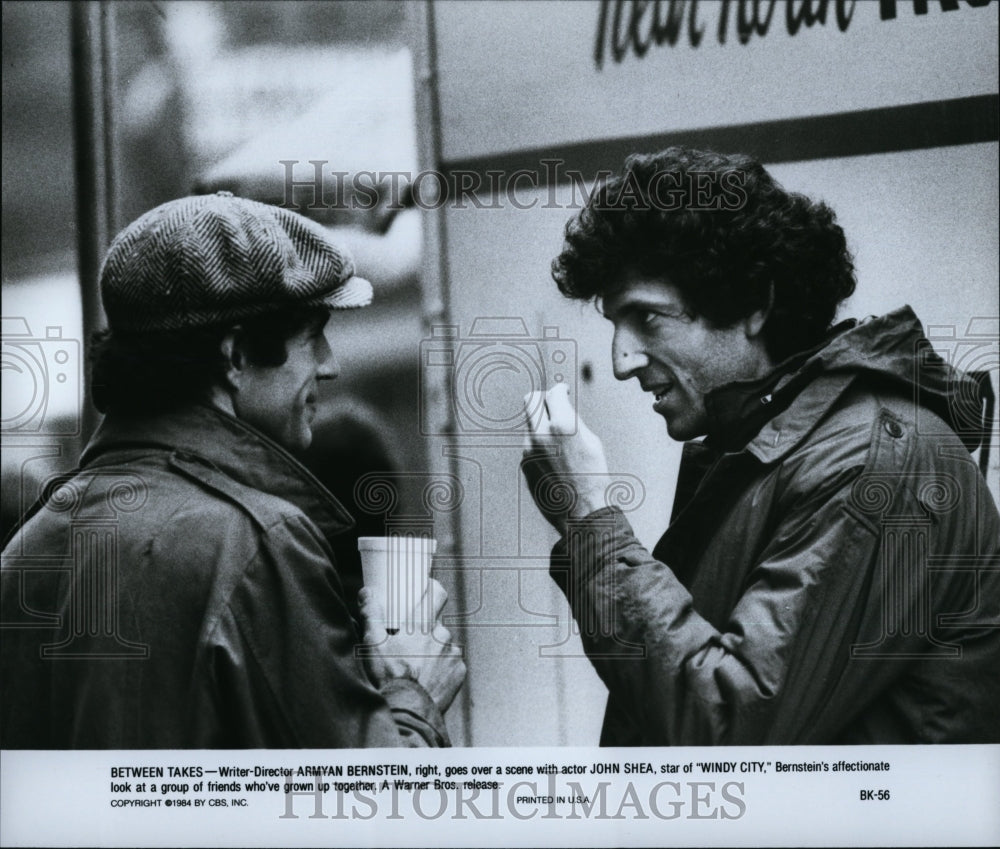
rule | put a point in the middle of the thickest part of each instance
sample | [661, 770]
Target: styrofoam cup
[397, 569]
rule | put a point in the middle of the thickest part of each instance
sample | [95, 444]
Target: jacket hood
[206, 435]
[890, 350]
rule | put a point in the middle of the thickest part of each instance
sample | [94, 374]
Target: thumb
[373, 614]
[562, 413]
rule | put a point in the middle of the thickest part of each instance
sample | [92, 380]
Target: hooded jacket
[834, 576]
[179, 591]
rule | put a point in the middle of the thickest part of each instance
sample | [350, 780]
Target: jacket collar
[771, 416]
[225, 443]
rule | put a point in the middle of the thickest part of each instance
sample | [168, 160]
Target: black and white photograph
[501, 423]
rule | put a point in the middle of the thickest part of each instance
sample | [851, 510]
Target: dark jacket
[179, 592]
[834, 577]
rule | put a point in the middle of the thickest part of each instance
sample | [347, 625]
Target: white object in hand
[397, 569]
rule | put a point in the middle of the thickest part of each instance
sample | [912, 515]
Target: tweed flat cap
[215, 258]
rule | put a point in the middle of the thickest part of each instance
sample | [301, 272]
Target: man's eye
[654, 318]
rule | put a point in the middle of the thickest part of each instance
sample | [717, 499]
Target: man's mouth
[659, 392]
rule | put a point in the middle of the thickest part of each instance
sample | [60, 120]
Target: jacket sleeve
[285, 667]
[765, 674]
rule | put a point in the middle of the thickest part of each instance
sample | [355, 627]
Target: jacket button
[893, 429]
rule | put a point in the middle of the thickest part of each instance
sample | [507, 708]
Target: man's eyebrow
[641, 303]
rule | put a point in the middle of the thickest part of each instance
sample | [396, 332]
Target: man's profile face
[676, 357]
[281, 400]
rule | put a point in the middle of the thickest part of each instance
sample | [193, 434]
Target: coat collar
[771, 416]
[227, 444]
[756, 415]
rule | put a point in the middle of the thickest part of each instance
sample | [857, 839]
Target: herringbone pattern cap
[210, 259]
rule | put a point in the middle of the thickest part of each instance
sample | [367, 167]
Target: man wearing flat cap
[178, 590]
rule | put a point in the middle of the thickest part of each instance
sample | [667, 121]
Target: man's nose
[627, 355]
[328, 368]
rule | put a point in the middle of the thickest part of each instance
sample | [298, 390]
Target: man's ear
[754, 323]
[234, 359]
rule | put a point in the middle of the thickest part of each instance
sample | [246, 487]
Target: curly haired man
[830, 574]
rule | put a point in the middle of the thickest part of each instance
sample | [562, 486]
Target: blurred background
[112, 108]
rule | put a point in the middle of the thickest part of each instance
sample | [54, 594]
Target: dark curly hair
[724, 232]
[149, 373]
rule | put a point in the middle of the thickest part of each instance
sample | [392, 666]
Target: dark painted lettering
[634, 26]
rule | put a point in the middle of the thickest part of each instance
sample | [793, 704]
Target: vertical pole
[89, 29]
[435, 290]
[109, 93]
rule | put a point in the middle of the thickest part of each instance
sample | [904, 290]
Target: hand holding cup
[425, 655]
